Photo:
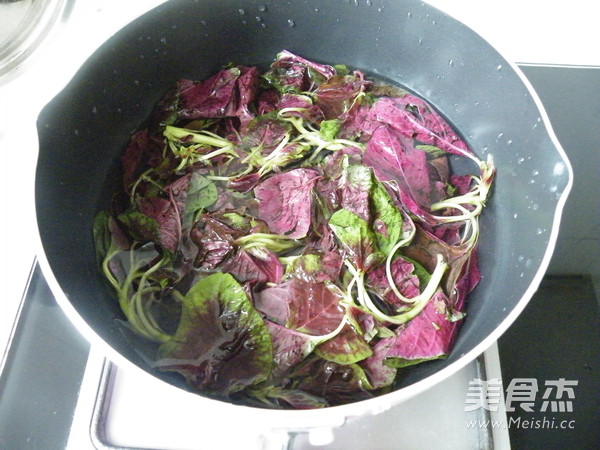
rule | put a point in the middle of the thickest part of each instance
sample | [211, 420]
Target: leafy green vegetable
[329, 129]
[357, 238]
[221, 345]
[387, 220]
[293, 238]
[201, 194]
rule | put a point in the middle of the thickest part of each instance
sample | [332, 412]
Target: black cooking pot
[84, 129]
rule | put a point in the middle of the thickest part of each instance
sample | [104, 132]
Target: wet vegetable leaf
[285, 202]
[357, 238]
[221, 345]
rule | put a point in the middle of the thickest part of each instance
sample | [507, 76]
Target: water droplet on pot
[515, 216]
[535, 206]
[540, 231]
[316, 10]
[291, 23]
[163, 40]
[94, 110]
[559, 169]
[409, 15]
[369, 3]
[499, 67]
[242, 11]
[258, 19]
[535, 173]
[262, 8]
[451, 63]
[520, 160]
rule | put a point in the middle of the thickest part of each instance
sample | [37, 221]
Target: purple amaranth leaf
[301, 106]
[267, 101]
[416, 119]
[404, 277]
[357, 239]
[215, 242]
[168, 218]
[317, 264]
[287, 57]
[347, 347]
[358, 124]
[247, 86]
[274, 302]
[266, 132]
[285, 202]
[244, 183]
[336, 96]
[380, 375]
[393, 157]
[426, 246]
[355, 190]
[466, 282]
[255, 265]
[221, 344]
[228, 93]
[289, 347]
[132, 158]
[336, 383]
[145, 151]
[428, 336]
[292, 73]
[314, 307]
[305, 306]
[332, 169]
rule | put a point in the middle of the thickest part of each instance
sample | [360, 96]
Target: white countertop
[532, 31]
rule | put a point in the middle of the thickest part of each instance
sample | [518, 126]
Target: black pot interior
[84, 129]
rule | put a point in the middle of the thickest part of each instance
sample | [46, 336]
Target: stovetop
[45, 366]
[57, 392]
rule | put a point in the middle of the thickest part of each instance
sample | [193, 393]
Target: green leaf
[399, 363]
[387, 218]
[201, 193]
[102, 236]
[432, 151]
[341, 69]
[303, 265]
[222, 344]
[357, 238]
[329, 129]
[141, 227]
[348, 347]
